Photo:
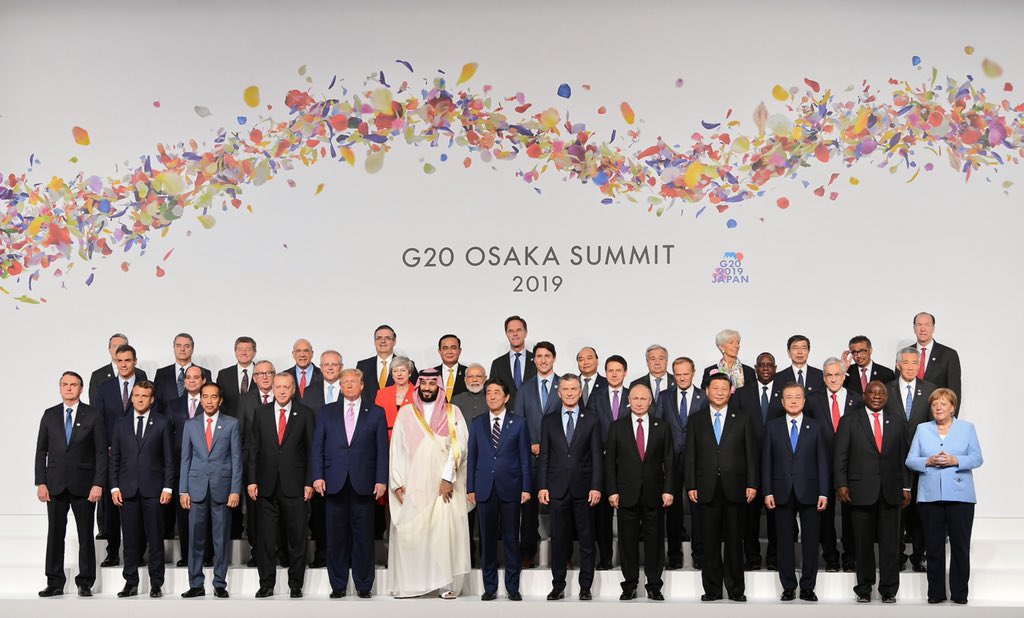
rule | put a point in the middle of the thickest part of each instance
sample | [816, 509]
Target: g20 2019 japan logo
[730, 269]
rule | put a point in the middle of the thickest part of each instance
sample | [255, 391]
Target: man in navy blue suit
[170, 380]
[612, 402]
[499, 481]
[141, 476]
[795, 481]
[350, 468]
[537, 398]
[593, 382]
[799, 348]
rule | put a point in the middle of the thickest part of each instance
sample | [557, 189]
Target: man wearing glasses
[862, 370]
[377, 369]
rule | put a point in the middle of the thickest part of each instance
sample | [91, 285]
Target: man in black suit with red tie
[940, 364]
[869, 466]
[170, 380]
[638, 480]
[611, 404]
[515, 366]
[570, 480]
[863, 369]
[722, 477]
[141, 476]
[236, 380]
[70, 473]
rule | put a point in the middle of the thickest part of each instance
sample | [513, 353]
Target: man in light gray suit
[211, 483]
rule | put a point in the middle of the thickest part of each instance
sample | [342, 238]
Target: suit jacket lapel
[292, 415]
[148, 430]
[218, 428]
[504, 431]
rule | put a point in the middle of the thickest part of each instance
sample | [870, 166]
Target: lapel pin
[918, 392]
[78, 424]
[886, 421]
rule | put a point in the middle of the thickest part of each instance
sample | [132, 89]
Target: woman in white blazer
[945, 452]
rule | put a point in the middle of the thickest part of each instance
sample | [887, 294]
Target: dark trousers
[499, 517]
[829, 542]
[57, 527]
[752, 538]
[318, 525]
[566, 514]
[675, 522]
[473, 549]
[720, 518]
[273, 510]
[910, 525]
[142, 524]
[785, 524]
[635, 521]
[200, 517]
[530, 539]
[252, 525]
[879, 521]
[111, 525]
[696, 532]
[605, 517]
[350, 531]
[955, 519]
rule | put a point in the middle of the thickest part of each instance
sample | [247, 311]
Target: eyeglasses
[859, 352]
[263, 374]
[383, 338]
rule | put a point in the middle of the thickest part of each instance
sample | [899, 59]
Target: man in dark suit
[537, 398]
[863, 369]
[828, 407]
[180, 411]
[799, 348]
[235, 381]
[722, 478]
[306, 373]
[453, 373]
[907, 396]
[657, 378]
[170, 380]
[109, 370]
[70, 473]
[638, 472]
[377, 369]
[350, 468]
[281, 483]
[762, 401]
[870, 451]
[940, 364]
[679, 402]
[141, 476]
[499, 481]
[795, 480]
[114, 400]
[262, 393]
[326, 390]
[569, 480]
[609, 406]
[210, 483]
[593, 382]
[516, 365]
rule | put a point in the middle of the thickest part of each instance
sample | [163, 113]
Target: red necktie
[863, 379]
[209, 434]
[920, 367]
[640, 437]
[878, 432]
[302, 385]
[835, 413]
[280, 427]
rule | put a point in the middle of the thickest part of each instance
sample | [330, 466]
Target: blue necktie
[569, 427]
[764, 403]
[800, 377]
[794, 433]
[67, 428]
[544, 394]
[517, 371]
[718, 427]
[682, 408]
[657, 388]
[330, 393]
[910, 401]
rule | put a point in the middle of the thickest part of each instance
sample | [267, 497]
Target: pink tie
[878, 433]
[192, 407]
[863, 379]
[640, 437]
[350, 421]
[615, 406]
[920, 368]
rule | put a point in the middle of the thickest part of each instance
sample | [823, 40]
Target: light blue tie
[794, 434]
[718, 427]
[330, 393]
[910, 401]
[657, 388]
[544, 394]
[67, 428]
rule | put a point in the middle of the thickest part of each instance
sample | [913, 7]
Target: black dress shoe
[918, 566]
[364, 594]
[585, 594]
[181, 563]
[192, 593]
[849, 567]
[788, 595]
[771, 566]
[221, 593]
[556, 594]
[863, 598]
[654, 594]
[674, 565]
[251, 562]
[51, 591]
[128, 591]
[337, 594]
[753, 564]
[84, 591]
[264, 592]
[698, 564]
[488, 596]
[627, 595]
[685, 538]
[936, 601]
[707, 598]
[318, 563]
[832, 567]
[960, 601]
[888, 598]
[295, 593]
[808, 595]
[514, 596]
[208, 562]
[604, 566]
[739, 598]
[155, 592]
[110, 561]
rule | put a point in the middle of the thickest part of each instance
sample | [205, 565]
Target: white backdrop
[328, 267]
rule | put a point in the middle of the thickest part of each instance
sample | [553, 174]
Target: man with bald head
[305, 372]
[592, 382]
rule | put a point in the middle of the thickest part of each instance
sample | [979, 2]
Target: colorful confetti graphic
[48, 226]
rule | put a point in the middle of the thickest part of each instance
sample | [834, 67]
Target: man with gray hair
[657, 379]
[322, 392]
[262, 393]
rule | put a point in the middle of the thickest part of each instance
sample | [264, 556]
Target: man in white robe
[428, 546]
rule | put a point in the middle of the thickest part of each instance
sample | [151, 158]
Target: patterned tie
[569, 427]
[67, 427]
[657, 388]
[764, 403]
[718, 427]
[794, 435]
[280, 427]
[138, 431]
[517, 371]
[615, 405]
[192, 407]
[266, 398]
[682, 408]
[181, 381]
[920, 367]
[209, 434]
[835, 413]
[449, 387]
[863, 379]
[382, 380]
[330, 393]
[909, 402]
[586, 390]
[124, 396]
[800, 377]
[350, 421]
[543, 394]
[302, 384]
[244, 387]
[640, 438]
[878, 432]
[495, 433]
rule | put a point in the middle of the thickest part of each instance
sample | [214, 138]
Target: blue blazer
[142, 469]
[528, 404]
[953, 484]
[667, 409]
[364, 463]
[216, 472]
[807, 472]
[504, 471]
[108, 400]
